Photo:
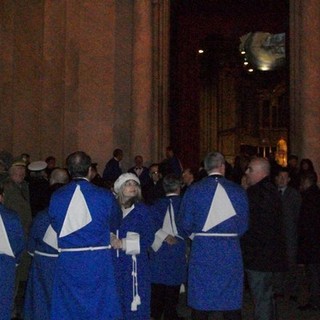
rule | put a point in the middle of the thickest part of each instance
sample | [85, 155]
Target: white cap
[123, 179]
[37, 165]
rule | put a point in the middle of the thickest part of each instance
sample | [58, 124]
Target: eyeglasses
[131, 183]
[155, 172]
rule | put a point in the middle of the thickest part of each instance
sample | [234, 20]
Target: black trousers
[227, 315]
[164, 300]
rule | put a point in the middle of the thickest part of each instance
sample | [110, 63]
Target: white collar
[126, 211]
[215, 173]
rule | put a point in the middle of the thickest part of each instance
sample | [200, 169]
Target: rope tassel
[136, 300]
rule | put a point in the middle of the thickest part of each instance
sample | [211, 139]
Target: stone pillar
[141, 133]
[304, 79]
[160, 117]
[84, 75]
[53, 81]
[7, 9]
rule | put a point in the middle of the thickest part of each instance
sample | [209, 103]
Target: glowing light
[243, 52]
[246, 63]
[201, 51]
[250, 70]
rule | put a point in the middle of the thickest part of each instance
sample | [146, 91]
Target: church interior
[100, 75]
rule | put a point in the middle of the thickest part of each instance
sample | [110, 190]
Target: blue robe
[215, 278]
[84, 285]
[168, 264]
[39, 286]
[139, 221]
[16, 239]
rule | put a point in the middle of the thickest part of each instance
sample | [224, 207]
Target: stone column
[53, 81]
[7, 41]
[160, 117]
[141, 133]
[304, 79]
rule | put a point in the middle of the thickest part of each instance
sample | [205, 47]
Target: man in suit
[286, 282]
[153, 189]
[263, 245]
[112, 170]
[140, 170]
[309, 238]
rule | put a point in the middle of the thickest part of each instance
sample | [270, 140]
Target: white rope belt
[216, 234]
[45, 254]
[84, 249]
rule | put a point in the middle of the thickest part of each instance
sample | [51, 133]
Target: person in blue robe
[12, 244]
[39, 285]
[215, 212]
[168, 254]
[83, 215]
[134, 237]
[37, 304]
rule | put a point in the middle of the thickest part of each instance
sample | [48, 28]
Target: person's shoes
[308, 307]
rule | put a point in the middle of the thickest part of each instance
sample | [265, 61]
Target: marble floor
[286, 310]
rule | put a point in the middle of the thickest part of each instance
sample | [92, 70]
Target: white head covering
[37, 165]
[123, 179]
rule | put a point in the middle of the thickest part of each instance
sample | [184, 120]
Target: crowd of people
[77, 245]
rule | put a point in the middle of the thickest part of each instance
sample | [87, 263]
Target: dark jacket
[143, 177]
[263, 245]
[112, 171]
[309, 226]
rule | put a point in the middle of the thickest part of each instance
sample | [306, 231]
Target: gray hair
[59, 175]
[262, 164]
[213, 160]
[171, 183]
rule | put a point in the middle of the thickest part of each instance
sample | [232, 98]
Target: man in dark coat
[113, 171]
[286, 282]
[263, 244]
[140, 170]
[153, 189]
[309, 237]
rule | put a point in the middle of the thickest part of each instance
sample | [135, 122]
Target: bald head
[258, 169]
[59, 176]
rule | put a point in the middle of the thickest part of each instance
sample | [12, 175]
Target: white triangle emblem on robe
[221, 209]
[169, 224]
[51, 238]
[5, 247]
[78, 214]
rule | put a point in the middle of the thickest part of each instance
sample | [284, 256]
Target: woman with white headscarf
[135, 236]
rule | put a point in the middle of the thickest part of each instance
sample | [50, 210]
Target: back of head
[59, 176]
[117, 153]
[78, 164]
[213, 161]
[258, 169]
[171, 184]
